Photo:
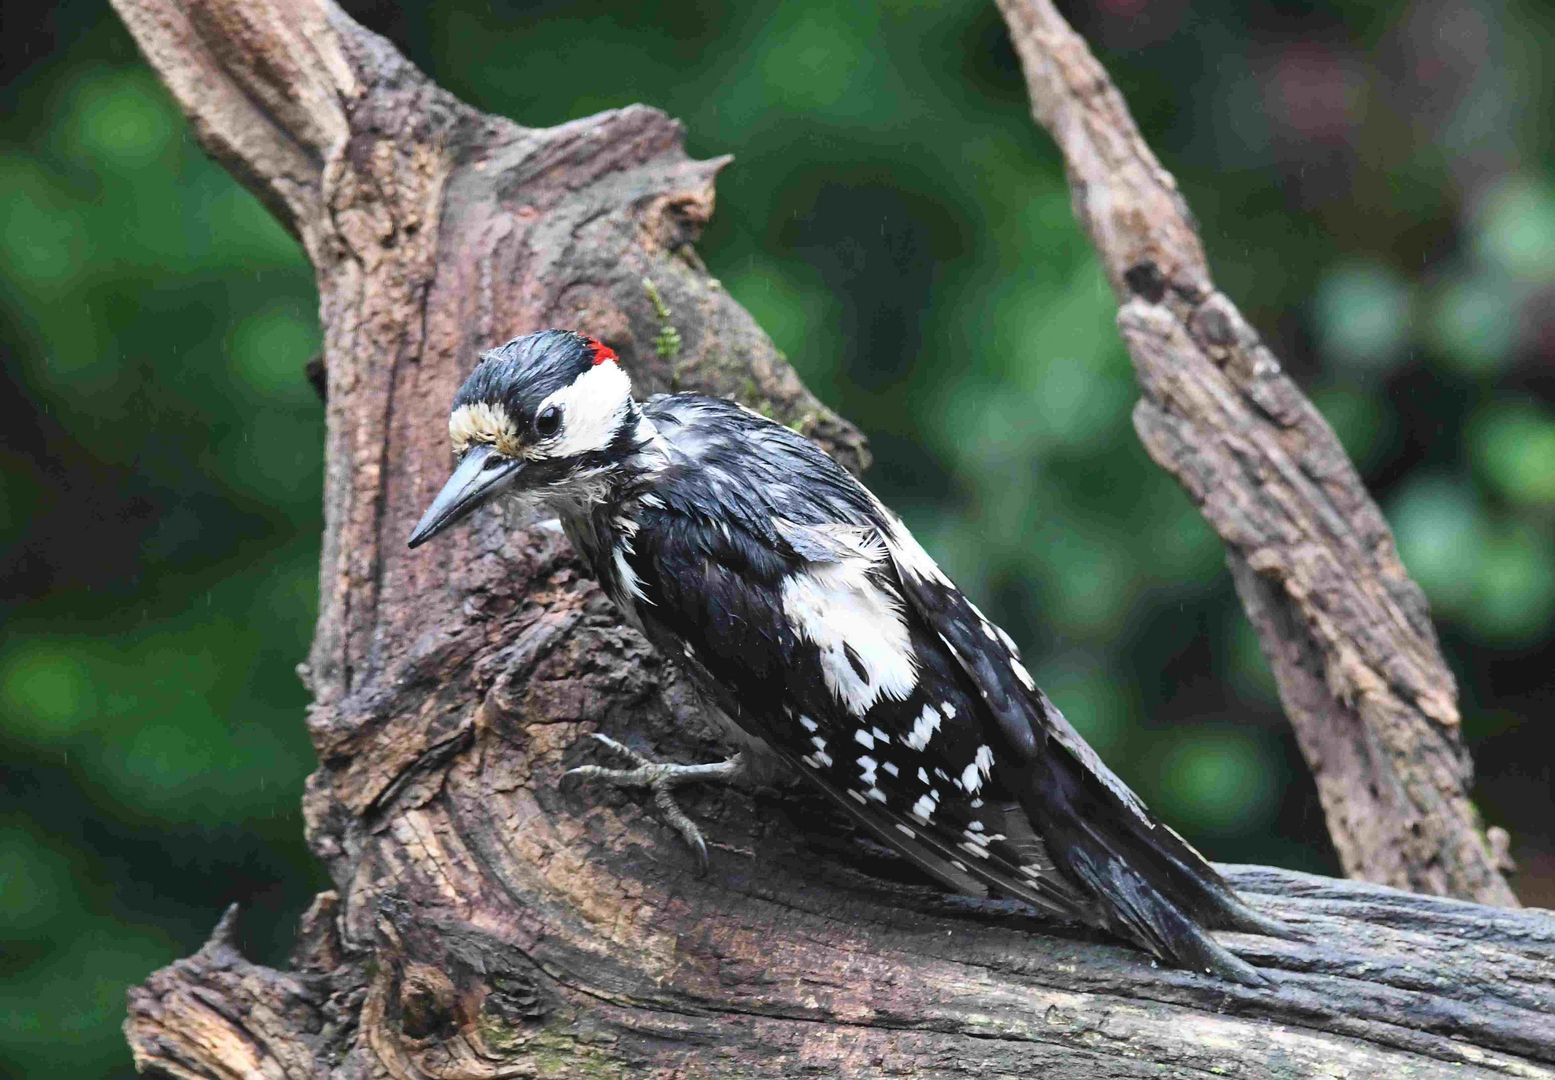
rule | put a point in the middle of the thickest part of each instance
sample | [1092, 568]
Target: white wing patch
[978, 770]
[1022, 674]
[925, 726]
[866, 651]
[923, 809]
[909, 554]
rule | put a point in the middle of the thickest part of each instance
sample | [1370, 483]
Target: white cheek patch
[592, 406]
[865, 648]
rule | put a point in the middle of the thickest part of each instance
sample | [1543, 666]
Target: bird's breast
[605, 541]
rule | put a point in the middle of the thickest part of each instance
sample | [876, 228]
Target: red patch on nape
[602, 352]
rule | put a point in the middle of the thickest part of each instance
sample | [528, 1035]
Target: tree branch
[788, 982]
[483, 922]
[273, 108]
[1343, 626]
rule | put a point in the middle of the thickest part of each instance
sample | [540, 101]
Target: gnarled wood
[1347, 633]
[795, 976]
[485, 923]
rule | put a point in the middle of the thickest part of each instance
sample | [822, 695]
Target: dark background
[1375, 190]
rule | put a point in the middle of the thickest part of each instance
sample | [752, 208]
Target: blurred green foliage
[1371, 191]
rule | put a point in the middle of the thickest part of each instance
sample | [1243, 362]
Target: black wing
[819, 624]
[713, 597]
[747, 509]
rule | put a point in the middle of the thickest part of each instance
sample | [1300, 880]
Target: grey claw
[665, 801]
[661, 779]
[620, 748]
[573, 777]
[596, 772]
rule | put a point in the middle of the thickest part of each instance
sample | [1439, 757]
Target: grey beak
[482, 472]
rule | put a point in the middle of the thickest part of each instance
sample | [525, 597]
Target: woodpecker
[803, 609]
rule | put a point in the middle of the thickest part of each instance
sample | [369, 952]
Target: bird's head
[549, 414]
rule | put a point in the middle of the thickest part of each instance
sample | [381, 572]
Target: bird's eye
[549, 421]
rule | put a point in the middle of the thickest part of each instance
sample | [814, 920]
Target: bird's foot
[662, 778]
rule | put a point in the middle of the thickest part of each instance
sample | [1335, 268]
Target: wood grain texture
[1344, 628]
[794, 976]
[485, 922]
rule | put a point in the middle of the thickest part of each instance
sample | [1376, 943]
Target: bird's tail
[1148, 884]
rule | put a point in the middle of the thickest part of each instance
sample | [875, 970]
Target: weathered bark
[1372, 702]
[791, 972]
[484, 923]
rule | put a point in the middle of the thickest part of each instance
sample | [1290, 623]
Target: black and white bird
[804, 609]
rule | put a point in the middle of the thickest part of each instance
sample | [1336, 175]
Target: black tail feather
[1134, 909]
[1149, 884]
